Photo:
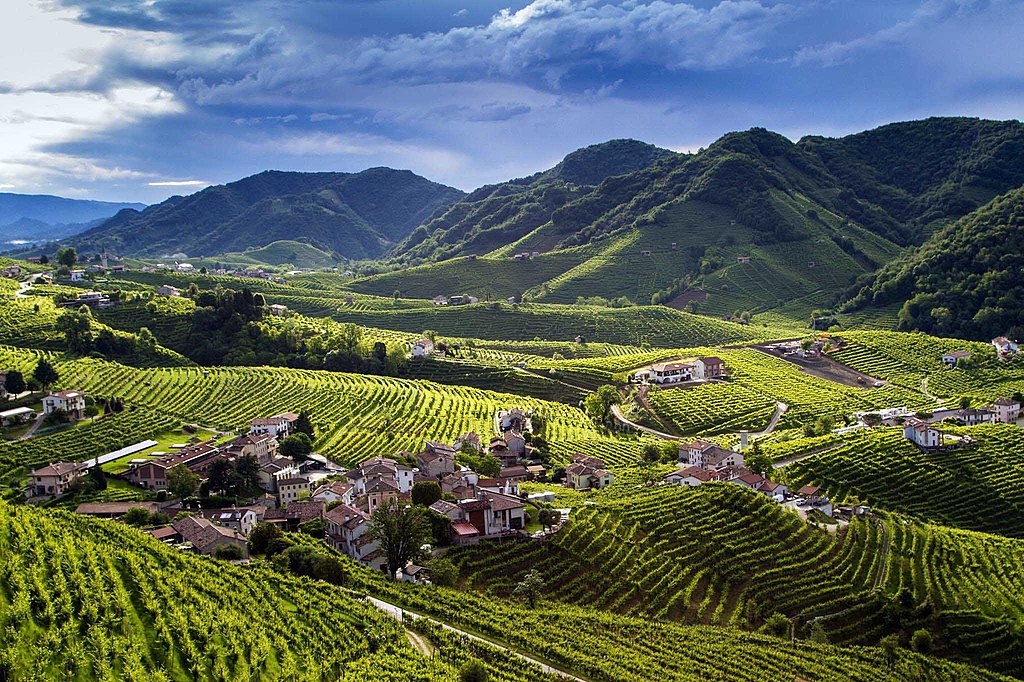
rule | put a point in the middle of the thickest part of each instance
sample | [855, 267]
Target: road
[400, 614]
[35, 425]
[26, 285]
[780, 409]
[796, 458]
[617, 414]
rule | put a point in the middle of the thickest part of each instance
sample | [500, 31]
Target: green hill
[284, 252]
[357, 215]
[964, 281]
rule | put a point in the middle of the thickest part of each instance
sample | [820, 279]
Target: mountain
[355, 215]
[37, 217]
[495, 215]
[810, 218]
[964, 281]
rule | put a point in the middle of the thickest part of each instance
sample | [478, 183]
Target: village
[303, 491]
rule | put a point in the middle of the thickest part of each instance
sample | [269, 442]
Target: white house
[922, 433]
[335, 490]
[708, 368]
[774, 490]
[278, 310]
[1004, 346]
[950, 359]
[17, 415]
[279, 426]
[290, 489]
[422, 348]
[71, 402]
[347, 531]
[689, 476]
[77, 275]
[1007, 410]
[587, 473]
[708, 455]
[241, 519]
[56, 478]
[168, 290]
[184, 267]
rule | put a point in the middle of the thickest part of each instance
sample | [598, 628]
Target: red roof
[464, 529]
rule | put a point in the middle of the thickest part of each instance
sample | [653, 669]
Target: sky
[138, 100]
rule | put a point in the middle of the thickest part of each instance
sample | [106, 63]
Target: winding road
[780, 409]
[401, 614]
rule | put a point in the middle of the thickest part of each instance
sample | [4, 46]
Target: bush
[473, 671]
[229, 552]
[921, 641]
[443, 573]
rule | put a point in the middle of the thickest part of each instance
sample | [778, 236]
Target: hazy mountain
[39, 217]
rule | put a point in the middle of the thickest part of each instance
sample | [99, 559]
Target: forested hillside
[965, 281]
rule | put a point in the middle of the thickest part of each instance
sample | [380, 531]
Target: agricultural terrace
[979, 488]
[723, 555]
[356, 416]
[908, 358]
[67, 579]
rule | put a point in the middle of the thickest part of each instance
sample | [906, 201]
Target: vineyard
[723, 555]
[356, 416]
[84, 599]
[979, 488]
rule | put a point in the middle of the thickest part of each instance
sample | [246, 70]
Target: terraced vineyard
[84, 599]
[979, 488]
[723, 555]
[356, 416]
[712, 409]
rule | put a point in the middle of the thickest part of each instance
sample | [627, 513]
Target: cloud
[178, 183]
[461, 13]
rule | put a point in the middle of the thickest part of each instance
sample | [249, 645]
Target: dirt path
[420, 643]
[617, 414]
[401, 614]
[780, 409]
[886, 542]
[35, 425]
[796, 458]
[23, 287]
[924, 389]
[826, 368]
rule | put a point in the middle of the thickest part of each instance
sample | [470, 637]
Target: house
[275, 470]
[1004, 346]
[333, 491]
[278, 310]
[77, 275]
[587, 473]
[950, 359]
[810, 492]
[491, 513]
[422, 348]
[280, 425]
[290, 489]
[414, 574]
[645, 253]
[743, 260]
[11, 271]
[689, 476]
[439, 300]
[445, 508]
[17, 415]
[437, 461]
[774, 490]
[514, 419]
[517, 474]
[70, 402]
[1007, 410]
[380, 468]
[379, 492]
[515, 441]
[184, 267]
[153, 474]
[55, 479]
[708, 368]
[669, 372]
[751, 480]
[93, 299]
[263, 447]
[470, 439]
[168, 290]
[921, 433]
[347, 530]
[241, 519]
[708, 455]
[207, 537]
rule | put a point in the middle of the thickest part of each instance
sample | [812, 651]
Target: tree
[45, 374]
[426, 493]
[473, 670]
[229, 552]
[182, 481]
[67, 256]
[529, 587]
[298, 446]
[921, 641]
[245, 479]
[443, 573]
[401, 530]
[304, 425]
[261, 536]
[758, 462]
[488, 465]
[98, 478]
[890, 646]
[217, 476]
[136, 516]
[777, 625]
[15, 382]
[818, 633]
[147, 341]
[651, 453]
[548, 517]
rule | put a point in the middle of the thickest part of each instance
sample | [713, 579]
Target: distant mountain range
[42, 217]
[354, 215]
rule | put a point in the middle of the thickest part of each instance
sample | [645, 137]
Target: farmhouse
[279, 426]
[1007, 410]
[333, 491]
[347, 531]
[422, 348]
[241, 519]
[587, 473]
[1004, 347]
[950, 359]
[689, 476]
[708, 456]
[437, 461]
[56, 478]
[17, 415]
[922, 434]
[776, 491]
[670, 372]
[153, 474]
[709, 368]
[168, 290]
[70, 402]
[77, 275]
[278, 310]
[207, 537]
[743, 260]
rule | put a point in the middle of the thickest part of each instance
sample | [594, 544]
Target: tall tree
[67, 256]
[401, 529]
[45, 374]
[182, 482]
[15, 382]
[529, 587]
[304, 425]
